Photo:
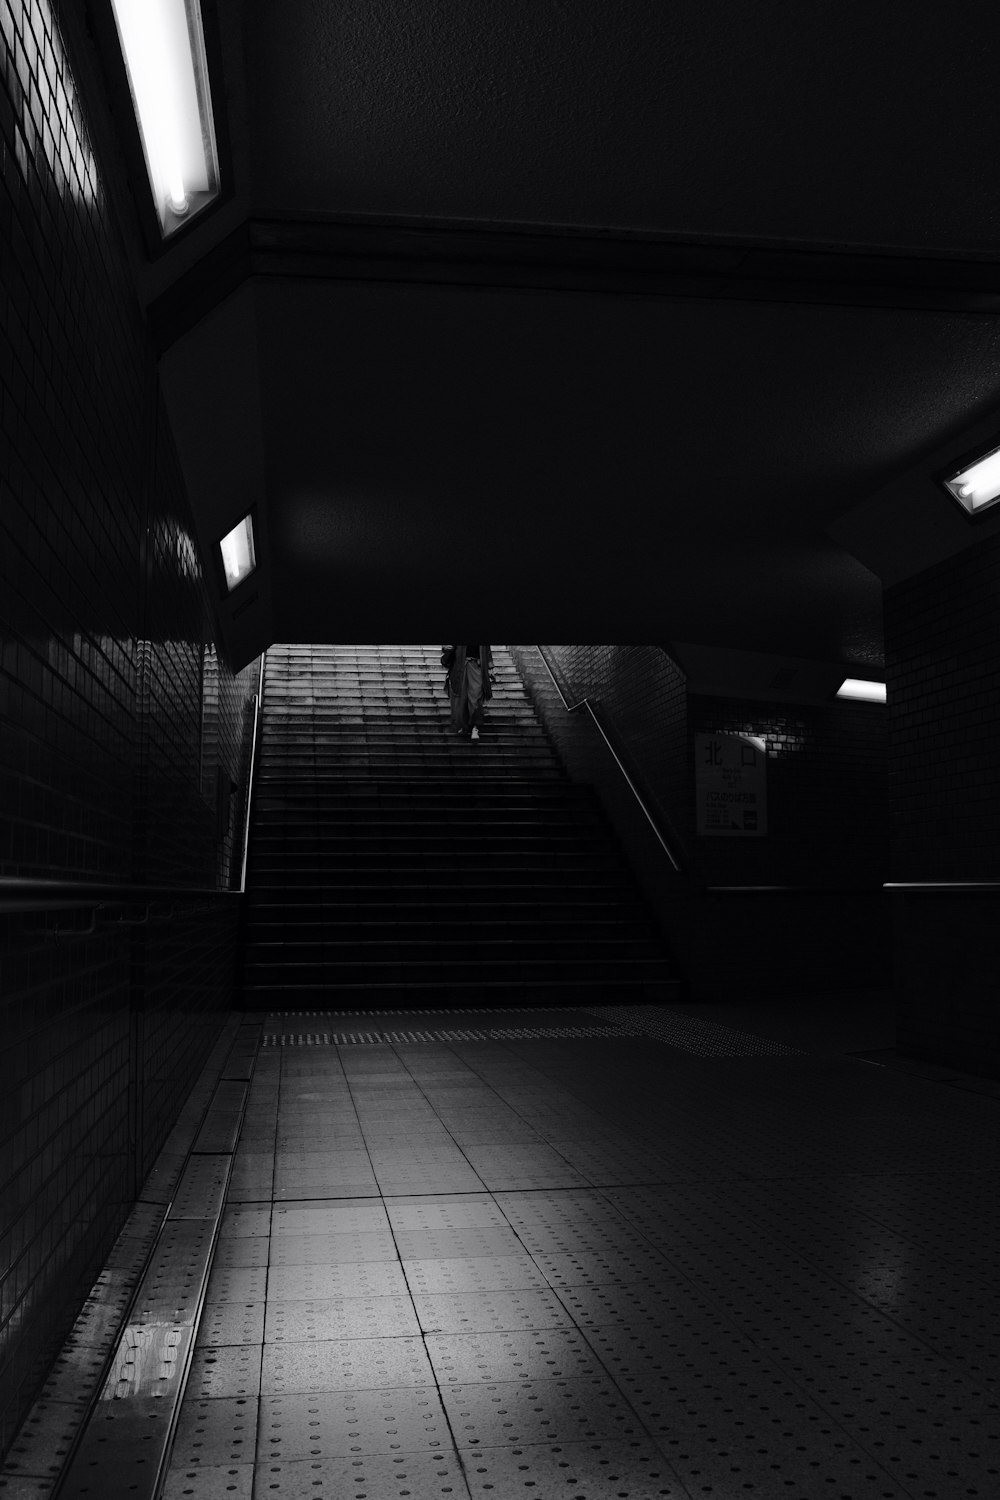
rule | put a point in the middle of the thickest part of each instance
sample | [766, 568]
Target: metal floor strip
[104, 1420]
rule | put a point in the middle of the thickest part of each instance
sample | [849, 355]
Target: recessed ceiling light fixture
[864, 691]
[163, 43]
[976, 486]
[238, 557]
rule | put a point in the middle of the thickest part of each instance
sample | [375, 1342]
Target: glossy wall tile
[106, 773]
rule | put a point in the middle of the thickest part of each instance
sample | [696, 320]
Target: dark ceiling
[549, 319]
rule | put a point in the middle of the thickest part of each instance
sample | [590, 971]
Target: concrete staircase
[393, 863]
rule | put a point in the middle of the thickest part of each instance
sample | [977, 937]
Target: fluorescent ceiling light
[164, 48]
[978, 484]
[238, 557]
[868, 692]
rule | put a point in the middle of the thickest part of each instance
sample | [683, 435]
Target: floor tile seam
[410, 1293]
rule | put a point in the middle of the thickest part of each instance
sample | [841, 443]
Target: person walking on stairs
[470, 678]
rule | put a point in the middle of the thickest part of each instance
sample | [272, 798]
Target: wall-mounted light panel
[862, 690]
[976, 486]
[163, 43]
[237, 551]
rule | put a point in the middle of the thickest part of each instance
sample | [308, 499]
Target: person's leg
[458, 700]
[474, 691]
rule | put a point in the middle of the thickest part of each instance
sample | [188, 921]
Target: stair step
[377, 995]
[393, 862]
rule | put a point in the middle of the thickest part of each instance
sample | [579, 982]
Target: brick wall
[943, 668]
[828, 823]
[103, 626]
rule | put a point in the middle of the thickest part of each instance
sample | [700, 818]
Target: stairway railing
[629, 772]
[258, 702]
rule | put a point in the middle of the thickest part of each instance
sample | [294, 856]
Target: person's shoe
[475, 734]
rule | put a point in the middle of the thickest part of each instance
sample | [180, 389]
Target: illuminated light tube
[867, 692]
[238, 557]
[164, 48]
[977, 485]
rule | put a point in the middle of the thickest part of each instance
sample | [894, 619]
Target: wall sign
[730, 775]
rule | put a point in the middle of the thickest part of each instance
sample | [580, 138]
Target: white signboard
[730, 784]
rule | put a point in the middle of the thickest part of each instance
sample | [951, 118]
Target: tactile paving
[340, 1218]
[459, 1359]
[409, 1476]
[454, 1244]
[454, 1211]
[216, 1433]
[493, 1413]
[223, 1371]
[479, 1273]
[231, 1323]
[340, 1318]
[312, 1283]
[345, 1364]
[209, 1482]
[490, 1312]
[331, 1249]
[333, 1424]
[596, 1470]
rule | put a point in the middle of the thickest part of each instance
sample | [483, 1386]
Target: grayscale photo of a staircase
[393, 863]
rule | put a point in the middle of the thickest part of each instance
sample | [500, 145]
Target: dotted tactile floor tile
[236, 1284]
[566, 1207]
[219, 1371]
[670, 1306]
[459, 1359]
[480, 1273]
[491, 1312]
[777, 1458]
[410, 1476]
[597, 1470]
[222, 1482]
[338, 1218]
[456, 1244]
[332, 1249]
[314, 1283]
[340, 1318]
[453, 1211]
[595, 1269]
[231, 1323]
[345, 1364]
[215, 1433]
[490, 1414]
[242, 1220]
[337, 1424]
[302, 1187]
[42, 1445]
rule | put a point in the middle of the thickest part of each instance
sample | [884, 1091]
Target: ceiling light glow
[977, 485]
[164, 48]
[866, 692]
[238, 557]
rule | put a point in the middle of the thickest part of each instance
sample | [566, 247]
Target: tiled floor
[599, 1268]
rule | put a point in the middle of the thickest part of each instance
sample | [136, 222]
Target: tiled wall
[942, 632]
[103, 625]
[828, 825]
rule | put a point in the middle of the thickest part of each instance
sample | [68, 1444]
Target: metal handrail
[941, 887]
[790, 890]
[19, 893]
[595, 719]
[258, 703]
